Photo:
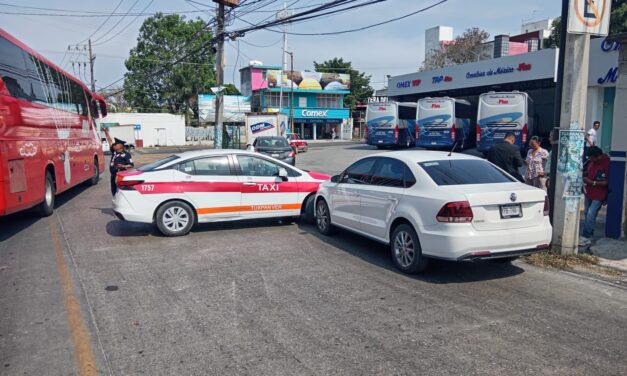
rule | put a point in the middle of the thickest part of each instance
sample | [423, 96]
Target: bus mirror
[103, 108]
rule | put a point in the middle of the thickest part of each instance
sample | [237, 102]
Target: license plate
[434, 133]
[511, 211]
[381, 133]
[274, 155]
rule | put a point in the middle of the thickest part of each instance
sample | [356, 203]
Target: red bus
[48, 137]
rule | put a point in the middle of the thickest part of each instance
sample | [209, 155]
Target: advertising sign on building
[235, 106]
[308, 80]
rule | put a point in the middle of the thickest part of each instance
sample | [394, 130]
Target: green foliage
[230, 89]
[463, 49]
[553, 41]
[152, 83]
[360, 82]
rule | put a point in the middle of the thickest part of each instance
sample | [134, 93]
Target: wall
[157, 128]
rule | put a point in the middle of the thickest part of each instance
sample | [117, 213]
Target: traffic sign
[589, 17]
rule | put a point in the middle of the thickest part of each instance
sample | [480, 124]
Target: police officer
[121, 160]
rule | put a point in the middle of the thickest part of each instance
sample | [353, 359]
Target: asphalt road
[83, 293]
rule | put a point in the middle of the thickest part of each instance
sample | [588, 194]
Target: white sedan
[211, 186]
[428, 204]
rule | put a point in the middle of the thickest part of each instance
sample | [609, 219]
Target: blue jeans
[592, 208]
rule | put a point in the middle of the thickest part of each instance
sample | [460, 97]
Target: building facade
[316, 99]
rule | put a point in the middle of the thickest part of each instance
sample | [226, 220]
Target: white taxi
[428, 204]
[213, 185]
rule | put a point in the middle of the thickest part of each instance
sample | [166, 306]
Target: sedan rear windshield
[464, 171]
[155, 165]
[272, 142]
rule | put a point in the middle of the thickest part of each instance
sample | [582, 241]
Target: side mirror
[103, 108]
[335, 179]
[283, 174]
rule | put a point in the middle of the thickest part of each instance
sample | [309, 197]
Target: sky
[391, 49]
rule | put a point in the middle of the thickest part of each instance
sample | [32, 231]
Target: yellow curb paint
[83, 354]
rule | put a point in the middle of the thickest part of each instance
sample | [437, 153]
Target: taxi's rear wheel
[175, 218]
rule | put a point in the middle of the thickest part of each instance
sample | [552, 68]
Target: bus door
[435, 123]
[499, 113]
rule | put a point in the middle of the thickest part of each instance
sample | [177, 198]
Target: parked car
[212, 186]
[296, 142]
[275, 147]
[427, 204]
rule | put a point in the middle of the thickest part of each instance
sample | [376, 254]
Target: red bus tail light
[396, 132]
[365, 131]
[455, 212]
[524, 135]
[546, 205]
[478, 131]
[417, 132]
[453, 132]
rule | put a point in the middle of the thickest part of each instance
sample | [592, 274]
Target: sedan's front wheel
[406, 251]
[323, 218]
[175, 218]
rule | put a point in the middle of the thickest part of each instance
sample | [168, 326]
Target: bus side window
[35, 79]
[13, 70]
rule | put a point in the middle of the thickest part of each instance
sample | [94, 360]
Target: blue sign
[610, 77]
[260, 127]
[321, 113]
[137, 127]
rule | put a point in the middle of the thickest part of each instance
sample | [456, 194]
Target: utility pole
[91, 68]
[218, 140]
[292, 94]
[281, 15]
[583, 19]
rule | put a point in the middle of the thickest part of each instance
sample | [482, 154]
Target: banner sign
[235, 106]
[308, 80]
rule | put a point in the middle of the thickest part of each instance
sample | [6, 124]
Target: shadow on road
[438, 271]
[120, 228]
[14, 223]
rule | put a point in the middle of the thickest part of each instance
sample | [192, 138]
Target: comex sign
[612, 74]
[314, 113]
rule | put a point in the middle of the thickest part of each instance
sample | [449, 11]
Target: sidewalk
[611, 252]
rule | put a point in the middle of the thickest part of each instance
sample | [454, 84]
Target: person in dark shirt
[596, 189]
[506, 155]
[121, 160]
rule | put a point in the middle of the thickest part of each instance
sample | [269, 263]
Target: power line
[103, 23]
[124, 28]
[116, 24]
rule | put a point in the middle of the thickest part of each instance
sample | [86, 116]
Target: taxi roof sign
[589, 17]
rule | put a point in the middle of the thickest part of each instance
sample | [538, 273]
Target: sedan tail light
[546, 205]
[455, 212]
[292, 153]
[126, 185]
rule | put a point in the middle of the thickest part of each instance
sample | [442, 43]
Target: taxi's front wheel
[175, 218]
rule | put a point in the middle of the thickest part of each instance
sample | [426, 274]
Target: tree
[359, 81]
[152, 82]
[230, 89]
[618, 24]
[463, 49]
[553, 41]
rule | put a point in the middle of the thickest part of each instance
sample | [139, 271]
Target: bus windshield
[502, 110]
[435, 112]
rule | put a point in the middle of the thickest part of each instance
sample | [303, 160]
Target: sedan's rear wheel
[175, 218]
[406, 251]
[323, 218]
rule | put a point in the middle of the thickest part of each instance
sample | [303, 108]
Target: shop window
[329, 100]
[302, 102]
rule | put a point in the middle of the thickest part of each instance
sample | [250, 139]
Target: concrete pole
[92, 58]
[218, 128]
[573, 117]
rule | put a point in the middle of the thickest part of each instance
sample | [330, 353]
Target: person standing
[590, 140]
[535, 161]
[333, 134]
[121, 160]
[506, 155]
[596, 189]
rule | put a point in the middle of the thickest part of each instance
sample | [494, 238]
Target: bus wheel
[46, 207]
[96, 176]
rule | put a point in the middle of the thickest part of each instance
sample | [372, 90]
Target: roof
[418, 156]
[208, 152]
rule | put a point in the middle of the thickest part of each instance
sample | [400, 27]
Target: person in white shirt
[591, 135]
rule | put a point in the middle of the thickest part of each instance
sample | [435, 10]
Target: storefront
[317, 99]
[533, 73]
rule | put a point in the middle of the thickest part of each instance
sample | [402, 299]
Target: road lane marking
[83, 354]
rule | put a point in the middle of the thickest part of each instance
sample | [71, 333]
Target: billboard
[308, 80]
[235, 106]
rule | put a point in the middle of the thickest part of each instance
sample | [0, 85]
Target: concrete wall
[155, 129]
